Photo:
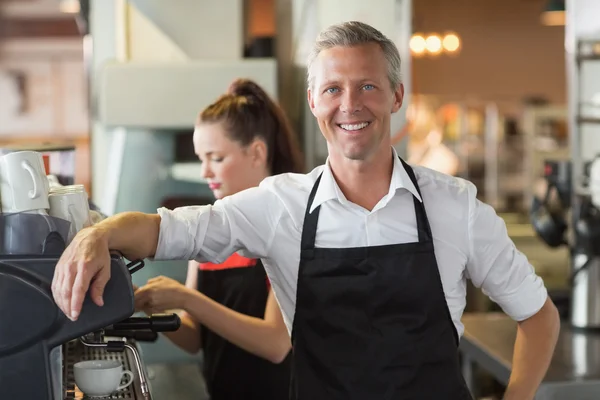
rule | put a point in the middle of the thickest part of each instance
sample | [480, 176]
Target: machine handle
[115, 346]
[140, 336]
[135, 265]
[154, 323]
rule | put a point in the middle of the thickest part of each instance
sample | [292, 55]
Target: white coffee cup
[98, 378]
[70, 203]
[23, 183]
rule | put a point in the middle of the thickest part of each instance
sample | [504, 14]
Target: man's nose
[351, 102]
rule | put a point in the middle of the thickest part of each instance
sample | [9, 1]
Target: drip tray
[75, 351]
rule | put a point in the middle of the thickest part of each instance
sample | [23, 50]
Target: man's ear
[311, 100]
[398, 98]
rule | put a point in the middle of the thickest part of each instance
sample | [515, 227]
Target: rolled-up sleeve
[245, 221]
[498, 268]
[182, 232]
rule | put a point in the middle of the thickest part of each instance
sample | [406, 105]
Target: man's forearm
[134, 234]
[534, 347]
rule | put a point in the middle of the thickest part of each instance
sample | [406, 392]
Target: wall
[507, 53]
[30, 8]
[51, 100]
[43, 93]
[199, 28]
[583, 22]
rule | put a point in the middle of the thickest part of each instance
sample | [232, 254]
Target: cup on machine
[23, 183]
[71, 204]
[100, 378]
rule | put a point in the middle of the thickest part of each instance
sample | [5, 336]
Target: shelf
[588, 120]
[588, 57]
[588, 50]
[168, 96]
[187, 172]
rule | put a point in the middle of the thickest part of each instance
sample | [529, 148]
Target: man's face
[353, 101]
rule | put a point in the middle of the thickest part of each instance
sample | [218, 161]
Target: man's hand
[160, 294]
[85, 262]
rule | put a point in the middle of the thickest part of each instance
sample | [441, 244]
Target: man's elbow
[547, 317]
[280, 352]
[278, 356]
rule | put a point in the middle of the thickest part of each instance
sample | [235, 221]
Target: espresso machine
[549, 214]
[569, 215]
[39, 345]
[585, 250]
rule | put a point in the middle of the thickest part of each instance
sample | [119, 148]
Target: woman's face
[227, 166]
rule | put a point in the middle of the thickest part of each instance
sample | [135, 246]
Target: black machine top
[31, 324]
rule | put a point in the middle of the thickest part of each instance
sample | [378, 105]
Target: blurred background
[109, 91]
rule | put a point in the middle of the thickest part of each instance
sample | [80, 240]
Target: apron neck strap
[309, 230]
[422, 221]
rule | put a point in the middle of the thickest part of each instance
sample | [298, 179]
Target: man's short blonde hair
[354, 33]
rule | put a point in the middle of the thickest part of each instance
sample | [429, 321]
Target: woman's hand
[160, 294]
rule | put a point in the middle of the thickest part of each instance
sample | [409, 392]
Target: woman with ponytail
[229, 310]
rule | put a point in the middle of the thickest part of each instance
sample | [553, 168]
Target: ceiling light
[451, 42]
[70, 6]
[433, 44]
[417, 44]
[554, 13]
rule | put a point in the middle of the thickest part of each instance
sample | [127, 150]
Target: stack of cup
[23, 183]
[24, 221]
[70, 203]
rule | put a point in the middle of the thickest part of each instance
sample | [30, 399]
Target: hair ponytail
[249, 113]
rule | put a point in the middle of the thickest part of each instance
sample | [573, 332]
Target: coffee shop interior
[101, 97]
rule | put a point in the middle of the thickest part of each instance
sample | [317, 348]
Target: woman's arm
[267, 338]
[187, 337]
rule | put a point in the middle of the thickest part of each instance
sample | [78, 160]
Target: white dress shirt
[265, 222]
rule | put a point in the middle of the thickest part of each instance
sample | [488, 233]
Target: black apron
[372, 322]
[231, 372]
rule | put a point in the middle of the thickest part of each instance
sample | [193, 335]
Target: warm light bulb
[70, 6]
[417, 44]
[451, 42]
[433, 44]
[554, 18]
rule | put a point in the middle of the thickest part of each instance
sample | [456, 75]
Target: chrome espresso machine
[39, 345]
[569, 215]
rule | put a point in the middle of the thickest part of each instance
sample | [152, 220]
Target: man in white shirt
[367, 256]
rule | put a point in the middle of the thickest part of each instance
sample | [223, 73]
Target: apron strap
[422, 221]
[309, 229]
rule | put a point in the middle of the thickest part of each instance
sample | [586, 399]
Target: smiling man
[368, 257]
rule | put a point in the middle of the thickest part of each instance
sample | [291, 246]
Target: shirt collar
[329, 190]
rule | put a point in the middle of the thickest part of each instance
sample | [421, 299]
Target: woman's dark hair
[249, 113]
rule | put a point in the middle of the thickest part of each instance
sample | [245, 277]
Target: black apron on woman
[231, 372]
[372, 323]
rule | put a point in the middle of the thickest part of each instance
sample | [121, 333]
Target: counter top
[489, 341]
